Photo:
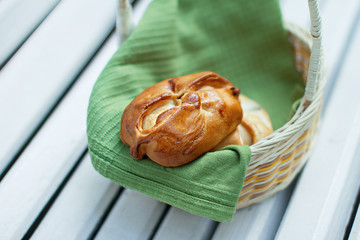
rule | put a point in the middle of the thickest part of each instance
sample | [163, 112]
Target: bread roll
[177, 120]
[255, 125]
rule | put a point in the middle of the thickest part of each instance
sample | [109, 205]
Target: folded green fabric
[243, 41]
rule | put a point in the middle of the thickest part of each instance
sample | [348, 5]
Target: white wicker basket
[277, 159]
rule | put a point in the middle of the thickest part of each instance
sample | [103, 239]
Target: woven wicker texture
[277, 159]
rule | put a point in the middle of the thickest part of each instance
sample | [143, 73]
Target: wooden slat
[322, 201]
[134, 216]
[179, 224]
[51, 154]
[296, 12]
[260, 221]
[39, 73]
[254, 230]
[336, 34]
[355, 230]
[79, 207]
[49, 157]
[18, 19]
[126, 225]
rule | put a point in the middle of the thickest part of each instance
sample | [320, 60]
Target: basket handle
[124, 20]
[316, 52]
[124, 25]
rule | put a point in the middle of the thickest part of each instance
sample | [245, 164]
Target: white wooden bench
[51, 53]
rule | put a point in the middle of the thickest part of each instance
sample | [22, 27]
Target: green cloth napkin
[242, 40]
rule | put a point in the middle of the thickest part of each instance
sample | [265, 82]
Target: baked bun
[178, 119]
[255, 125]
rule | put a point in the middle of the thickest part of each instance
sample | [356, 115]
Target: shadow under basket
[276, 159]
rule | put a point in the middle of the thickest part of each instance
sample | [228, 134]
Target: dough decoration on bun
[179, 119]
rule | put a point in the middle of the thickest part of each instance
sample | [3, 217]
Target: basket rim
[305, 112]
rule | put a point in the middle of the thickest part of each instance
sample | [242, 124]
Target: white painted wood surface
[296, 11]
[322, 201]
[260, 221]
[267, 229]
[18, 19]
[79, 207]
[134, 216]
[50, 155]
[39, 73]
[318, 209]
[336, 34]
[179, 225]
[355, 230]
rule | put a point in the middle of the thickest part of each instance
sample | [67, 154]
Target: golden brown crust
[233, 138]
[255, 125]
[179, 119]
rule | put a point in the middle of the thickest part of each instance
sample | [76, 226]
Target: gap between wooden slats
[18, 19]
[79, 207]
[50, 202]
[260, 221]
[233, 230]
[66, 114]
[355, 230]
[267, 229]
[37, 76]
[179, 224]
[323, 199]
[134, 216]
[353, 226]
[51, 154]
